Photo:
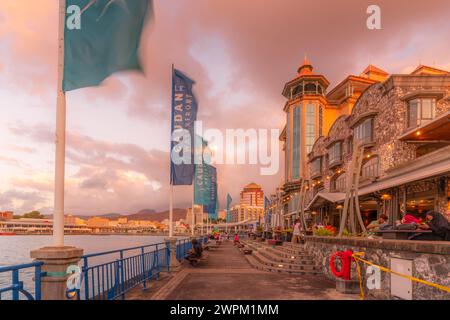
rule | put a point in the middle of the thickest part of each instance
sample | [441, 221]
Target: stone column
[56, 261]
[174, 264]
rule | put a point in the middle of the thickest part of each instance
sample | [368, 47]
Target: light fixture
[418, 133]
[386, 196]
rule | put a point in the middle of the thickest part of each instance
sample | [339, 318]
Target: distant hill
[157, 216]
[145, 214]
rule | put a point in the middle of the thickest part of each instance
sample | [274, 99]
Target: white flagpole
[171, 211]
[193, 210]
[171, 185]
[60, 142]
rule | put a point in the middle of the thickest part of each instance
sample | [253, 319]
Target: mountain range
[145, 214]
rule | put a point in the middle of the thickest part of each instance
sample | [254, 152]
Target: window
[296, 144]
[340, 183]
[316, 167]
[335, 153]
[310, 127]
[420, 110]
[310, 88]
[370, 169]
[288, 145]
[320, 121]
[363, 133]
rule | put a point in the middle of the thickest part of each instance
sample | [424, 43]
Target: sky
[240, 53]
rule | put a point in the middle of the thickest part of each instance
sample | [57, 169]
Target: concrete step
[285, 266]
[255, 263]
[288, 253]
[301, 260]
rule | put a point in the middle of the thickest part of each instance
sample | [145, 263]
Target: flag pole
[170, 164]
[60, 142]
[193, 209]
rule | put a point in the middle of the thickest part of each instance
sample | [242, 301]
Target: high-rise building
[198, 210]
[252, 195]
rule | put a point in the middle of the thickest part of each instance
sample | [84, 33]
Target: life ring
[346, 261]
[333, 269]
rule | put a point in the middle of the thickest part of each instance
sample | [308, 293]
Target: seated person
[439, 226]
[408, 222]
[236, 238]
[379, 224]
[196, 251]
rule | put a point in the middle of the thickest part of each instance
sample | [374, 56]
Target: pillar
[56, 261]
[174, 264]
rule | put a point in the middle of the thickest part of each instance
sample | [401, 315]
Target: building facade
[251, 206]
[403, 126]
[310, 113]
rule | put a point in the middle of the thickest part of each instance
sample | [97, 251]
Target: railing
[107, 275]
[133, 266]
[16, 287]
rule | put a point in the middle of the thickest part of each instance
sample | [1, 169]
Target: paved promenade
[226, 275]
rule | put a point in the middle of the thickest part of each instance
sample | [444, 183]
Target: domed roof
[252, 186]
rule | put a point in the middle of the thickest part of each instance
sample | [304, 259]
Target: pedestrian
[297, 232]
[236, 239]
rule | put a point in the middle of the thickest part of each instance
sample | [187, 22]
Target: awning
[435, 130]
[414, 173]
[322, 197]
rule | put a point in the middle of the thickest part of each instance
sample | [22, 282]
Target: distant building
[6, 215]
[198, 209]
[98, 222]
[252, 195]
[222, 214]
[240, 213]
[71, 220]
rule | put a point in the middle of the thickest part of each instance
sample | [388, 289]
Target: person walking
[296, 235]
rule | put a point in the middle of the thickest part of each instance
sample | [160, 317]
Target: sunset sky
[240, 52]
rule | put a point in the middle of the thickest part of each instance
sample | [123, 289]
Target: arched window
[339, 183]
[370, 169]
[310, 87]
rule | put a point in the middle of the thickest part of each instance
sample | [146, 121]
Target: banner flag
[102, 37]
[211, 192]
[184, 115]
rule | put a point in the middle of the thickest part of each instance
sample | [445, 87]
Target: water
[16, 250]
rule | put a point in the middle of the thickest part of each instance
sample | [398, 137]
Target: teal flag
[101, 37]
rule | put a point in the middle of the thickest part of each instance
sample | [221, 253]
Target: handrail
[110, 278]
[16, 287]
[120, 250]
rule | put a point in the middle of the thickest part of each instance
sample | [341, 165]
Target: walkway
[226, 275]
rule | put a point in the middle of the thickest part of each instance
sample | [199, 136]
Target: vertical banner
[184, 115]
[266, 210]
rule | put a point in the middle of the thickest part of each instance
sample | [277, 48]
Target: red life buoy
[346, 260]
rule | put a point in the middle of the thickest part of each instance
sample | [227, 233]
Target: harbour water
[16, 249]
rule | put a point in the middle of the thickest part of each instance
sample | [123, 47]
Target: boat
[7, 233]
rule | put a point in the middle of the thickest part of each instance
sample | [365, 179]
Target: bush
[322, 232]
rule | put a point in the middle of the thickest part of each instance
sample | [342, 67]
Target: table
[400, 234]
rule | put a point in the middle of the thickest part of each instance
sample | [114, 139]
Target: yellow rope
[361, 288]
[357, 256]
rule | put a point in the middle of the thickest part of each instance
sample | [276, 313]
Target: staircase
[289, 258]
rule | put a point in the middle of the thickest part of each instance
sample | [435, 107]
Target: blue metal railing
[16, 287]
[107, 275]
[132, 266]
